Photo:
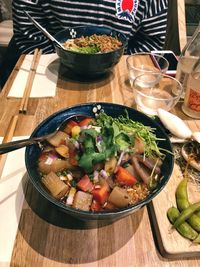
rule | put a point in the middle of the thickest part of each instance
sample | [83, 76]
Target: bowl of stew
[90, 51]
[107, 162]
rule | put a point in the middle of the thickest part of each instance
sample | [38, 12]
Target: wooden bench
[6, 32]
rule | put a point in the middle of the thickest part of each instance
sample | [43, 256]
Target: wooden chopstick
[29, 83]
[7, 138]
[13, 74]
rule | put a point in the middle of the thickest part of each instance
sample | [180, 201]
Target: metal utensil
[43, 30]
[14, 145]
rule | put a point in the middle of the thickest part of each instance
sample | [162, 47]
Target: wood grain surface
[170, 242]
[47, 237]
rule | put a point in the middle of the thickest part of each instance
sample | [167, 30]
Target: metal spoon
[14, 145]
[45, 32]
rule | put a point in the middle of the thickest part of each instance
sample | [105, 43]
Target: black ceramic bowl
[89, 65]
[114, 110]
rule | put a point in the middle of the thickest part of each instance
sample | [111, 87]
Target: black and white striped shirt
[142, 21]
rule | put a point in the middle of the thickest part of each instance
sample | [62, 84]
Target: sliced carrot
[73, 161]
[72, 156]
[85, 184]
[124, 177]
[95, 206]
[69, 126]
[101, 194]
[85, 122]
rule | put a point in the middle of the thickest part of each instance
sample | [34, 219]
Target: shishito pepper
[186, 214]
[184, 228]
[183, 203]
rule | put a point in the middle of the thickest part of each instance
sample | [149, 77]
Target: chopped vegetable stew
[102, 163]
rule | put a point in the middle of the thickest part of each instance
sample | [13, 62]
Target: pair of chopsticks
[29, 83]
[7, 138]
[24, 101]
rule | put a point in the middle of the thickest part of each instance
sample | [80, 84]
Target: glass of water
[141, 63]
[156, 90]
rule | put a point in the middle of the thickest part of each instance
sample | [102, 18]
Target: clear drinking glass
[156, 90]
[141, 63]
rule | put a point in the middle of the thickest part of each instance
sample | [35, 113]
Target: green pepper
[183, 203]
[186, 214]
[181, 195]
[197, 239]
[184, 228]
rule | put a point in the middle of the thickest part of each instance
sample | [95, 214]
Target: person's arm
[26, 35]
[152, 32]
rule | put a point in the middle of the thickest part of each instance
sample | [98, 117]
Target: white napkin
[45, 81]
[11, 201]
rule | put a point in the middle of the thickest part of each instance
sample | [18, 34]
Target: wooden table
[44, 237]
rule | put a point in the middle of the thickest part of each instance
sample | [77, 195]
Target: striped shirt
[142, 21]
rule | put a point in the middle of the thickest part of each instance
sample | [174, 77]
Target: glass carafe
[189, 56]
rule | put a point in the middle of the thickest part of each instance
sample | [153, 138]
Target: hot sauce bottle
[191, 105]
[188, 57]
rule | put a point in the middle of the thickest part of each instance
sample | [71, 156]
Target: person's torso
[121, 15]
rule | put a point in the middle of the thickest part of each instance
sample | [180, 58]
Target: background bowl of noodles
[90, 61]
[115, 110]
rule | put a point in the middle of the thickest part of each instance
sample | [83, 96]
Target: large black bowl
[114, 110]
[89, 65]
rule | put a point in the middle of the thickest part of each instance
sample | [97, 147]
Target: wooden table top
[45, 237]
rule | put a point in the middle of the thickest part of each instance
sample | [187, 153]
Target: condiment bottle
[191, 105]
[189, 56]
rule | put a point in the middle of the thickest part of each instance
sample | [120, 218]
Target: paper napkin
[11, 201]
[45, 81]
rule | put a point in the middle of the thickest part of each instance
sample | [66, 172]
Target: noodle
[94, 44]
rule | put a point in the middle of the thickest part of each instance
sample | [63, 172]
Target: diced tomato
[124, 177]
[69, 126]
[63, 142]
[101, 194]
[85, 122]
[43, 156]
[72, 157]
[110, 206]
[73, 161]
[96, 206]
[85, 184]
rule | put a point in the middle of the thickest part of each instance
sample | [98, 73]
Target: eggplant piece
[141, 171]
[151, 164]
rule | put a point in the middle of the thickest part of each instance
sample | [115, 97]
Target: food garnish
[93, 44]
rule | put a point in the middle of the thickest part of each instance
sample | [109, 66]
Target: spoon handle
[14, 145]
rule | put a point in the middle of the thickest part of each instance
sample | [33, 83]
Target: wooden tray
[170, 243]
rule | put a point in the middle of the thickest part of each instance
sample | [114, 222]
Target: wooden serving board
[170, 243]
